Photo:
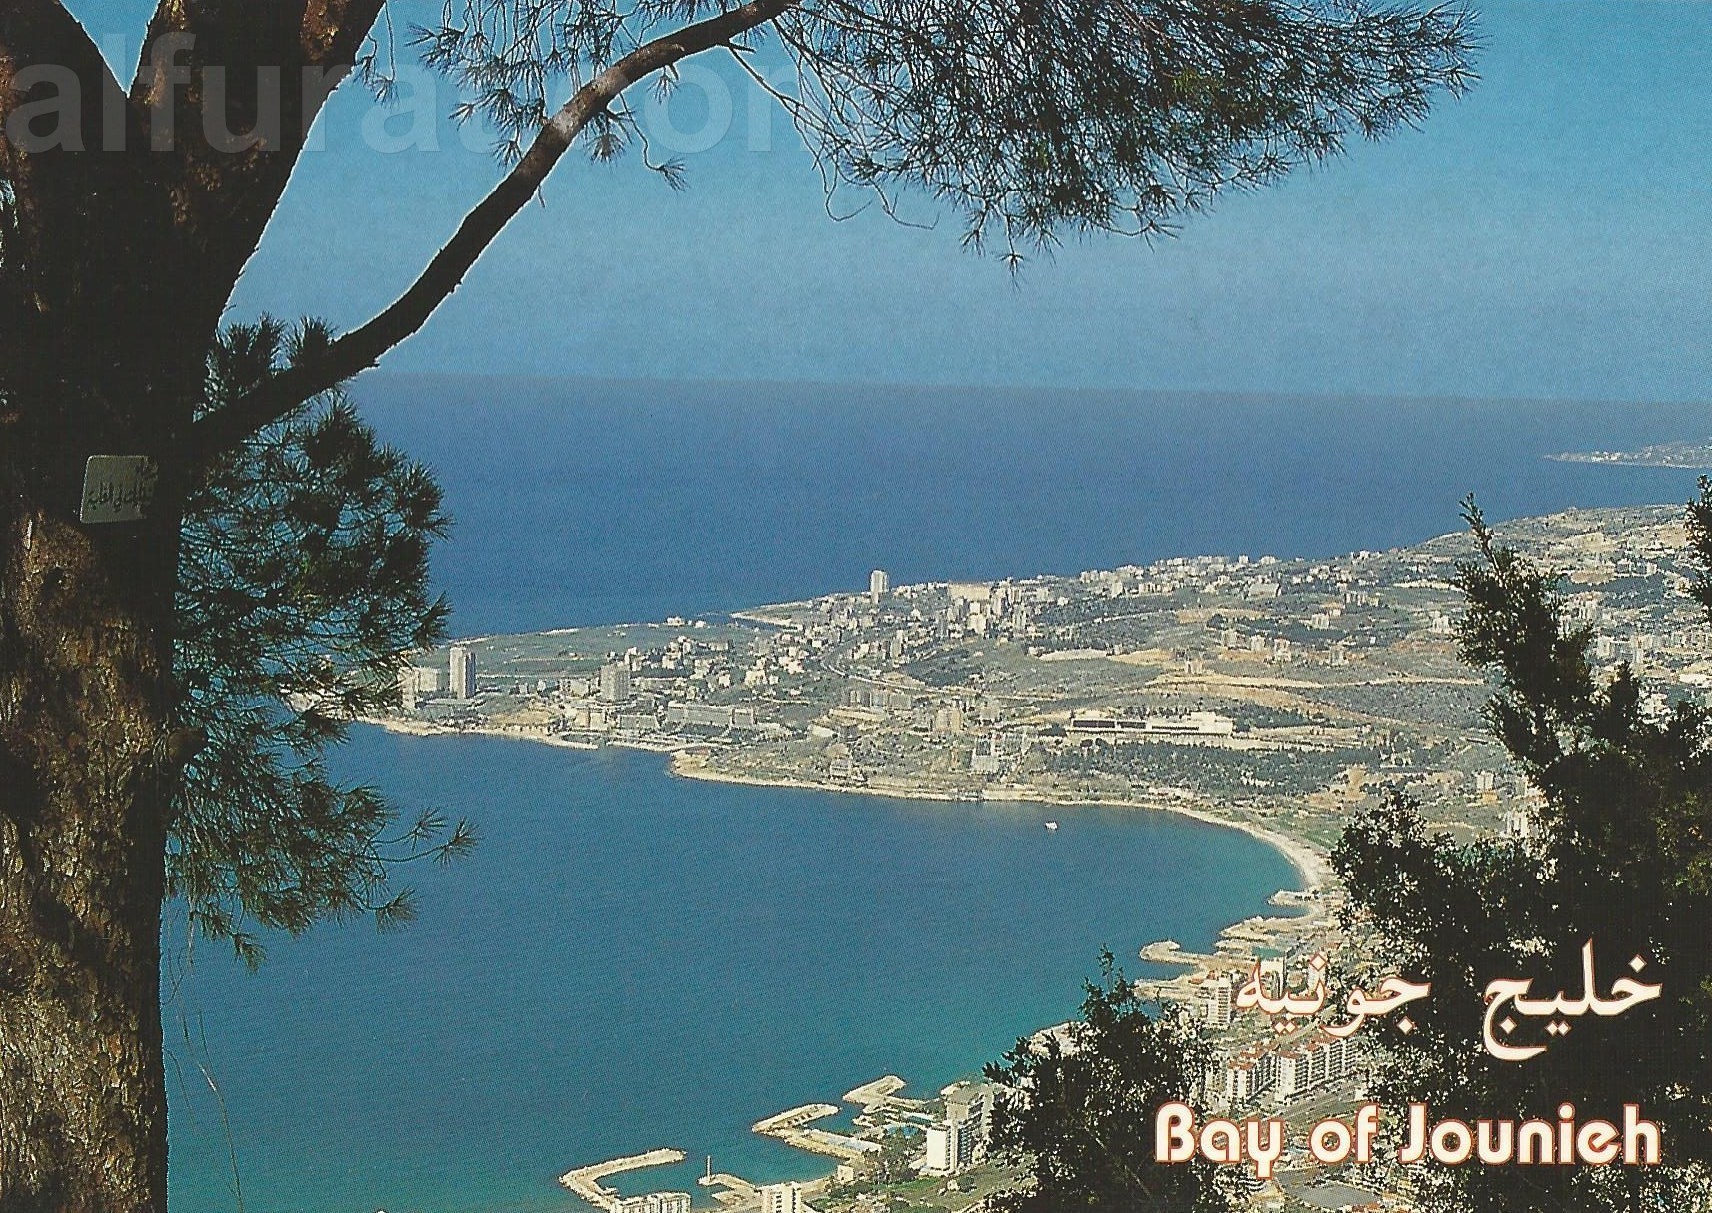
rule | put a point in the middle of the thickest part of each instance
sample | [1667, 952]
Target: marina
[585, 1181]
[795, 1128]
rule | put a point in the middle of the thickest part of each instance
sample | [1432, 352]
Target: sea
[632, 961]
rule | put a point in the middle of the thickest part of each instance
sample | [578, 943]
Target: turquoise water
[633, 961]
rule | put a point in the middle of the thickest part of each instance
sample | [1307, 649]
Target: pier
[794, 1118]
[793, 1128]
[882, 1093]
[735, 1190]
[872, 1096]
[585, 1181]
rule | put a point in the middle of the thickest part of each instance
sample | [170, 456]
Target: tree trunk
[117, 267]
[86, 778]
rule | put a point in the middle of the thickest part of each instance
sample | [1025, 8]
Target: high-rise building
[782, 1198]
[960, 1140]
[879, 585]
[969, 1114]
[407, 688]
[951, 1146]
[614, 682]
[463, 672]
[1219, 994]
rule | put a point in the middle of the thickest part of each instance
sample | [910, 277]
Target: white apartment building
[614, 682]
[1219, 995]
[782, 1198]
[463, 672]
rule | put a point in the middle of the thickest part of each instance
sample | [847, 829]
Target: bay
[632, 960]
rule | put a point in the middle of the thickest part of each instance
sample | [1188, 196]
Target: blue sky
[1545, 237]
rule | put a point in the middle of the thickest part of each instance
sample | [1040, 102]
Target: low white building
[655, 1202]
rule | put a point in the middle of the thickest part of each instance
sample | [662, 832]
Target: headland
[1262, 693]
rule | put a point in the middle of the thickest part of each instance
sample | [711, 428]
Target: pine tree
[1620, 854]
[1078, 1112]
[129, 738]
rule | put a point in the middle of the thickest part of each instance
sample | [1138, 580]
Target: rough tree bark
[85, 671]
[86, 769]
[118, 263]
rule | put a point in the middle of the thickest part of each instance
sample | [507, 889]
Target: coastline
[1312, 865]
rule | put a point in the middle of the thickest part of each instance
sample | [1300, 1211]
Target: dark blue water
[633, 961]
[582, 502]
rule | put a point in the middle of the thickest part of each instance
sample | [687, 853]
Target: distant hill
[1691, 455]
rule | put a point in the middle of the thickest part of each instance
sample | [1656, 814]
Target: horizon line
[1225, 394]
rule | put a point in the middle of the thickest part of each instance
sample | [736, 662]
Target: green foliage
[1028, 120]
[303, 587]
[1112, 115]
[1081, 1116]
[1621, 857]
[897, 1151]
[1232, 773]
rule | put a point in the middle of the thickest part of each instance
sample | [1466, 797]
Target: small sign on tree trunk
[117, 488]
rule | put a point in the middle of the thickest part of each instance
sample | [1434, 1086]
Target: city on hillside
[1273, 694]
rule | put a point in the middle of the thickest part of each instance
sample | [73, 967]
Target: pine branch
[360, 349]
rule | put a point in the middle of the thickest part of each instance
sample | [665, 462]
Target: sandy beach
[1311, 864]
